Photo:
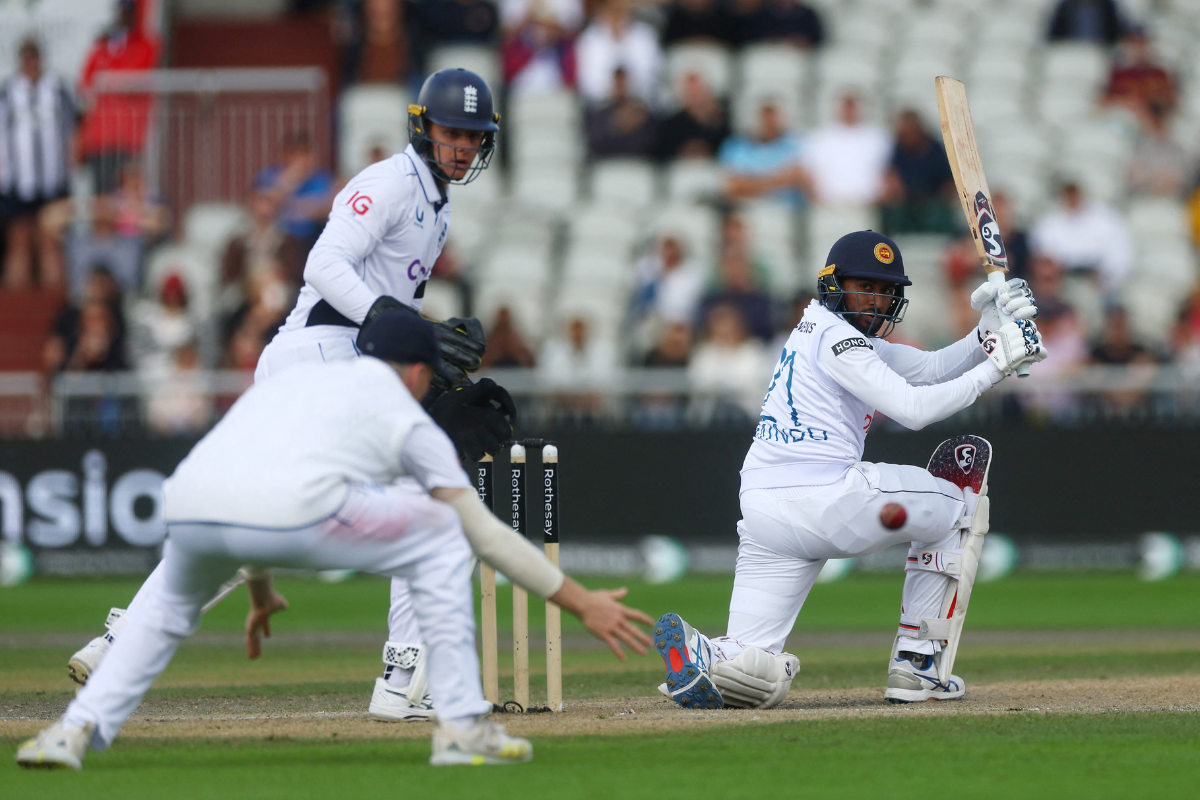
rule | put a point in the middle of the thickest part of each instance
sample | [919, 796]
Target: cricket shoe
[688, 657]
[57, 747]
[485, 743]
[392, 705]
[913, 678]
[85, 661]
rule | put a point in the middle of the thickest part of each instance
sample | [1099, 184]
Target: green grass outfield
[1088, 626]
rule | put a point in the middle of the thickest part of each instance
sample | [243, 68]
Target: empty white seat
[1158, 218]
[1171, 264]
[712, 61]
[1075, 64]
[515, 263]
[372, 115]
[693, 179]
[867, 28]
[555, 189]
[1019, 143]
[848, 67]
[480, 59]
[1063, 106]
[548, 108]
[211, 226]
[1012, 31]
[827, 224]
[1096, 141]
[624, 180]
[997, 64]
[939, 29]
[613, 224]
[772, 227]
[594, 264]
[1152, 312]
[771, 66]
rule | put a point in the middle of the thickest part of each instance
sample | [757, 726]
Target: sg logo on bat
[989, 230]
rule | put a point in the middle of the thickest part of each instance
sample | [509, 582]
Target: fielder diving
[807, 496]
[253, 492]
[385, 231]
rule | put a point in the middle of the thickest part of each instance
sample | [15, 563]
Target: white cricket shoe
[57, 747]
[85, 661]
[486, 743]
[913, 678]
[392, 705]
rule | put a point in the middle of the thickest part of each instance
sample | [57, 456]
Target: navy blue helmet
[454, 98]
[870, 255]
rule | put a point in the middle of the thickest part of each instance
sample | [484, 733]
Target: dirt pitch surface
[315, 717]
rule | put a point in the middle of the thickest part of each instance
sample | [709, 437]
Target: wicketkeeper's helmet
[454, 98]
[865, 254]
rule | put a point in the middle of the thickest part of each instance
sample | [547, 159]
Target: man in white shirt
[253, 492]
[807, 496]
[615, 41]
[1086, 237]
[847, 161]
[386, 230]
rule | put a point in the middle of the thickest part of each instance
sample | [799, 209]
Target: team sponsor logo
[787, 667]
[850, 344]
[927, 558]
[806, 327]
[989, 344]
[964, 454]
[416, 271]
[470, 99]
[989, 230]
[884, 253]
[359, 203]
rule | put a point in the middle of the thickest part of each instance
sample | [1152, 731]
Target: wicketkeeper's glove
[461, 342]
[477, 417]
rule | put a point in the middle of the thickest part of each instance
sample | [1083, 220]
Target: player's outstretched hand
[477, 417]
[264, 601]
[603, 613]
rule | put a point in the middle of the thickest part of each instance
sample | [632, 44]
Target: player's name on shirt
[769, 430]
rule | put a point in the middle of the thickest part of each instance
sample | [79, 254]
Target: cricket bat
[958, 133]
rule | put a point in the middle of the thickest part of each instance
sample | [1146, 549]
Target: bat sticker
[988, 229]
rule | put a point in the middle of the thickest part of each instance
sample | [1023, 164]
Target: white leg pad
[755, 678]
[947, 628]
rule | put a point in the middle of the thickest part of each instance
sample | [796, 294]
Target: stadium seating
[625, 180]
[481, 60]
[371, 115]
[712, 62]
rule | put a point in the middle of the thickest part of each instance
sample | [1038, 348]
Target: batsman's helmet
[871, 255]
[454, 98]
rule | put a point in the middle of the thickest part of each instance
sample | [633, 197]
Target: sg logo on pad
[964, 454]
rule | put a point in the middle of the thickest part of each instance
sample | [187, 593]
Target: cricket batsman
[386, 230]
[807, 496]
[255, 492]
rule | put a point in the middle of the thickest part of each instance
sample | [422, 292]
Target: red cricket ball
[893, 516]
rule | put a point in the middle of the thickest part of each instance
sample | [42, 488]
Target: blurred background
[670, 176]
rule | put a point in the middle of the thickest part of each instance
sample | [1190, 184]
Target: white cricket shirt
[828, 383]
[286, 452]
[385, 232]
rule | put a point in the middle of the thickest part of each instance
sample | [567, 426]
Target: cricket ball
[893, 516]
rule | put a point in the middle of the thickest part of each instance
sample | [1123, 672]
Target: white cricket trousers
[786, 535]
[388, 530]
[337, 343]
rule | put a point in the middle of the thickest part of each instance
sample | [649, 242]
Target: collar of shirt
[428, 183]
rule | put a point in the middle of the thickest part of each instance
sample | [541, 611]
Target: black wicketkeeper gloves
[461, 342]
[477, 417]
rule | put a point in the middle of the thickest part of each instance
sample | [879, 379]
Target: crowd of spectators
[714, 316]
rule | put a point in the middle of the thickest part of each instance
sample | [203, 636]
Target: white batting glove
[1013, 298]
[1014, 344]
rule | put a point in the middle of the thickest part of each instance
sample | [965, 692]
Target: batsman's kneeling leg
[755, 678]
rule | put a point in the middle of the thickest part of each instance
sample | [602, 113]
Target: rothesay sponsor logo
[850, 344]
